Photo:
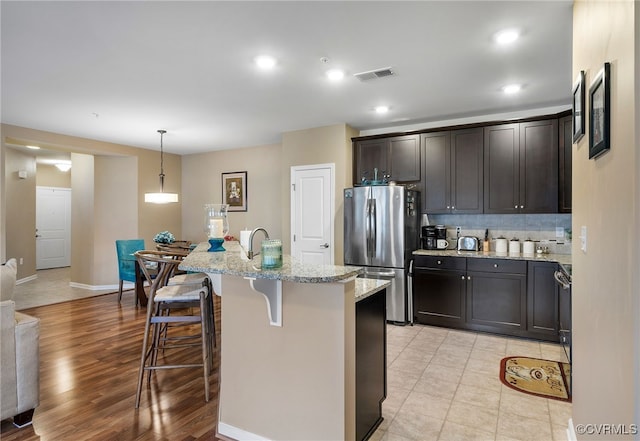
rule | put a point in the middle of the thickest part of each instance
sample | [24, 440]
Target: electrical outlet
[21, 261]
[458, 230]
[583, 238]
[560, 232]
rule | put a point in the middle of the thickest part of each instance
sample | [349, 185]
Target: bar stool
[196, 308]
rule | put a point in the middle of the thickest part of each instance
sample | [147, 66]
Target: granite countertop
[564, 259]
[231, 262]
[366, 287]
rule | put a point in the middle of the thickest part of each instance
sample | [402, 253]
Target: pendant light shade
[162, 197]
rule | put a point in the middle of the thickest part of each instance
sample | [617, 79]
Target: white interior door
[53, 227]
[312, 213]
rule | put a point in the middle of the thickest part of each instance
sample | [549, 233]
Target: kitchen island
[288, 346]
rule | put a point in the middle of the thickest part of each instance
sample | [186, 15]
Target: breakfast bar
[288, 346]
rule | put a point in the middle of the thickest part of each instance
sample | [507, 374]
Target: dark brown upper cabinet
[565, 145]
[453, 171]
[521, 167]
[398, 157]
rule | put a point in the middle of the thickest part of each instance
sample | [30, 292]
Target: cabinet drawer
[440, 262]
[497, 265]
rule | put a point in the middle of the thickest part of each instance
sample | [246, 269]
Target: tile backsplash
[542, 228]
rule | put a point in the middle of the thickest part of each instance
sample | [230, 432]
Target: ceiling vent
[374, 74]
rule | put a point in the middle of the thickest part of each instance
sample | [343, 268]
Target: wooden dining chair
[172, 312]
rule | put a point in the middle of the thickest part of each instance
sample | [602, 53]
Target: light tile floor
[443, 384]
[52, 286]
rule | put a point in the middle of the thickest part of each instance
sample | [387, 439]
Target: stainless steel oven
[563, 278]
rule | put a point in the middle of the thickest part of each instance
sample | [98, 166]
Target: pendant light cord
[161, 132]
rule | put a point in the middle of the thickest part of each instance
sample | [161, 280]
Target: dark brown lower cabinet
[440, 300]
[501, 296]
[371, 362]
[497, 296]
[543, 301]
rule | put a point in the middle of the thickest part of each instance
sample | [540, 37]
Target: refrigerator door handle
[410, 292]
[369, 228]
[380, 274]
[374, 228]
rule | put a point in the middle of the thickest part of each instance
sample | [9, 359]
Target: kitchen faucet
[250, 253]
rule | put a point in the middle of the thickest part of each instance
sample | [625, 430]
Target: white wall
[606, 281]
[202, 184]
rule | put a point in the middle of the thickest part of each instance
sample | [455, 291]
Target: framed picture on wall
[600, 113]
[578, 108]
[234, 190]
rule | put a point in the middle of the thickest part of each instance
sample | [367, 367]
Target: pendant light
[162, 197]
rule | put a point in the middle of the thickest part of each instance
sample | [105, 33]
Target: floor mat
[544, 378]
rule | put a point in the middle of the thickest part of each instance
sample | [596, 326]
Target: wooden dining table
[180, 249]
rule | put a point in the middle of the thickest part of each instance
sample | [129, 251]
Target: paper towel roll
[244, 243]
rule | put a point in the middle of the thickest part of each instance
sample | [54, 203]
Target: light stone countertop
[367, 287]
[564, 259]
[231, 262]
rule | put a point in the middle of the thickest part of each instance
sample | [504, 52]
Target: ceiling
[119, 71]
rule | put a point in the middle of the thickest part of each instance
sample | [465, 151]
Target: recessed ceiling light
[265, 62]
[507, 36]
[335, 74]
[32, 147]
[382, 109]
[511, 89]
[63, 166]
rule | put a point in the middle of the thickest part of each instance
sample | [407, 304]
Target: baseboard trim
[126, 286]
[27, 279]
[571, 431]
[232, 432]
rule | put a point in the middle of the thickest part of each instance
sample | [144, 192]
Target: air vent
[374, 74]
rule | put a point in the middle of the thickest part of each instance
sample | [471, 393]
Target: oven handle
[562, 280]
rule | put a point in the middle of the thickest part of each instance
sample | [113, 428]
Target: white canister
[514, 246]
[528, 247]
[501, 245]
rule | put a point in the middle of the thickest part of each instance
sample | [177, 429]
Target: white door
[312, 213]
[53, 227]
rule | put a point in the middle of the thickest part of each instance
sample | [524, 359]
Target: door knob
[326, 245]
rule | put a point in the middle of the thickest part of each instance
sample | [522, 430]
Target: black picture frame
[600, 113]
[234, 190]
[578, 108]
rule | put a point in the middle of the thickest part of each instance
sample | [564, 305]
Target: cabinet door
[369, 155]
[543, 301]
[501, 168]
[371, 362]
[467, 171]
[565, 146]
[439, 297]
[436, 166]
[539, 166]
[497, 302]
[404, 165]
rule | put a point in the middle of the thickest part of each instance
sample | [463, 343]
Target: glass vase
[216, 225]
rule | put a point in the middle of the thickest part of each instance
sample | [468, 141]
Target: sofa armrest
[27, 361]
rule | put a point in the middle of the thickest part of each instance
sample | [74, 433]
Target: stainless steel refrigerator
[381, 231]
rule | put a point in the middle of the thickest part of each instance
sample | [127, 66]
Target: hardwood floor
[89, 358]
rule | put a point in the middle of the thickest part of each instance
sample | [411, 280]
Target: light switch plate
[583, 238]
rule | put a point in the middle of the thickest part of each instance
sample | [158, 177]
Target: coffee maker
[441, 237]
[428, 238]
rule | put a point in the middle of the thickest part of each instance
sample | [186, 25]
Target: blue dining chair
[127, 261]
